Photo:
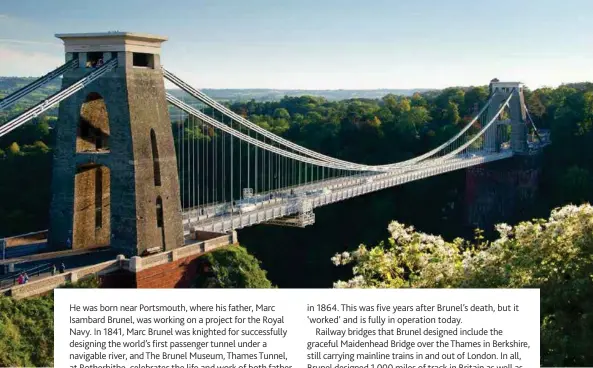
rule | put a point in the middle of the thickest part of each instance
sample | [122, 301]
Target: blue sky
[323, 44]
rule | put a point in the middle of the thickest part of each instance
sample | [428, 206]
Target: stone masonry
[500, 91]
[134, 101]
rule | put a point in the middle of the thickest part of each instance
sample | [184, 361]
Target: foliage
[14, 149]
[27, 328]
[568, 112]
[263, 95]
[372, 128]
[372, 131]
[26, 332]
[398, 127]
[364, 130]
[576, 184]
[386, 126]
[232, 267]
[554, 255]
[89, 282]
[9, 85]
[25, 164]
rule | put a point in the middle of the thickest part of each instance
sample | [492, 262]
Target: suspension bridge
[127, 175]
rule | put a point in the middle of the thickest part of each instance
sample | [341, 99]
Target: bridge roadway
[218, 218]
[201, 213]
[205, 212]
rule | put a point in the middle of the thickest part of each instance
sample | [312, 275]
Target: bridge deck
[341, 189]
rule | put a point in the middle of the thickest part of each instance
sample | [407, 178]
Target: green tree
[232, 267]
[26, 332]
[536, 107]
[452, 113]
[390, 101]
[90, 282]
[418, 100]
[474, 99]
[554, 255]
[576, 184]
[42, 147]
[14, 149]
[281, 113]
[43, 126]
[279, 126]
[27, 328]
[417, 116]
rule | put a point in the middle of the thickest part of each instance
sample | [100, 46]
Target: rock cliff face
[501, 191]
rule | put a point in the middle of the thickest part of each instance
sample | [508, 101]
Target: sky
[322, 44]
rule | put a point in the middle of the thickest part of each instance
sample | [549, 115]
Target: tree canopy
[27, 328]
[232, 267]
[553, 255]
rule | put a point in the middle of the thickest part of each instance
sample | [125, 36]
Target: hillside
[11, 84]
[263, 95]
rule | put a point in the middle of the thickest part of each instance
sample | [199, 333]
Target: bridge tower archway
[93, 125]
[515, 115]
[92, 207]
[117, 128]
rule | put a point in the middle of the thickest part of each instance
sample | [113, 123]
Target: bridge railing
[10, 280]
[47, 284]
[27, 239]
[11, 240]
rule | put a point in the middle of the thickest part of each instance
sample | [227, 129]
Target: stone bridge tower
[517, 118]
[504, 191]
[114, 174]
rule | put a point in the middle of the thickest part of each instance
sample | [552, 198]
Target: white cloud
[15, 62]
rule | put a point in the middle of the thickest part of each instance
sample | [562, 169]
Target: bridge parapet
[167, 269]
[47, 284]
[28, 238]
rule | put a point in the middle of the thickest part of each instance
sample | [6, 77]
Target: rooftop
[112, 42]
[505, 82]
[115, 34]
